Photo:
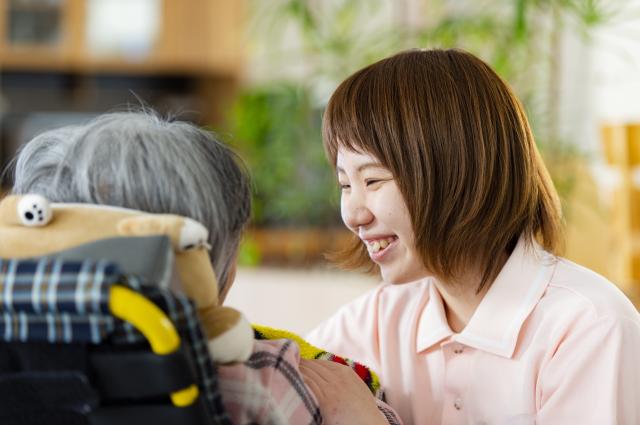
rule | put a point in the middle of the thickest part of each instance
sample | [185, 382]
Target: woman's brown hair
[461, 150]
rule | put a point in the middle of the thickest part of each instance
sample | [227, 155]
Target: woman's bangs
[346, 117]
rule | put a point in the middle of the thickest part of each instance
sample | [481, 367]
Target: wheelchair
[89, 341]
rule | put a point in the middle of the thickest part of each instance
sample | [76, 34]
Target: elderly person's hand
[343, 397]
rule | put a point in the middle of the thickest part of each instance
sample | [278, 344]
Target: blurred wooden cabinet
[621, 147]
[66, 60]
[182, 36]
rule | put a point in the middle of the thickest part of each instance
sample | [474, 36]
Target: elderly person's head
[137, 160]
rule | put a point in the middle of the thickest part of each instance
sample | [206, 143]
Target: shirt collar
[496, 323]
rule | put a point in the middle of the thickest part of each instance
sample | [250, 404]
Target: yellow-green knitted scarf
[310, 352]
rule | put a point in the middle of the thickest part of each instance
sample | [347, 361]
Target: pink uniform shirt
[551, 343]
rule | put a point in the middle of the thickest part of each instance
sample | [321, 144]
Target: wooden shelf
[44, 60]
[197, 37]
[191, 66]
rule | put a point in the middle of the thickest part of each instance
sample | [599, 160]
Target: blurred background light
[127, 27]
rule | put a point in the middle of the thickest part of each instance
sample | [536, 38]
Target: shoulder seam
[574, 292]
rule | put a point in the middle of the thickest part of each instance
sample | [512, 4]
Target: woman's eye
[344, 186]
[372, 182]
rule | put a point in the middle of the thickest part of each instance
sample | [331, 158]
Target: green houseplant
[277, 131]
[280, 138]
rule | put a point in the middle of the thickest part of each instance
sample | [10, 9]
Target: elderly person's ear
[185, 234]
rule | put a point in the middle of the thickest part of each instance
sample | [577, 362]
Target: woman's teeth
[377, 245]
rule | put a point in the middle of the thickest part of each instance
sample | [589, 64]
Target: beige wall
[294, 300]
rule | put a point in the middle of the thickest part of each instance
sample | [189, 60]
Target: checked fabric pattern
[63, 301]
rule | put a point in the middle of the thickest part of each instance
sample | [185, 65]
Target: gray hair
[138, 160]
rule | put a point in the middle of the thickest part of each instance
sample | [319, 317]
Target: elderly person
[139, 161]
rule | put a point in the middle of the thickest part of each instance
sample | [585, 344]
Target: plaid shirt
[269, 389]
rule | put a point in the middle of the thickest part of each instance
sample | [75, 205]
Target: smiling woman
[459, 146]
[477, 320]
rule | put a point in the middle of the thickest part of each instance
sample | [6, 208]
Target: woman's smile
[378, 247]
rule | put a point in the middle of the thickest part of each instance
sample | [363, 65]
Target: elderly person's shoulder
[269, 388]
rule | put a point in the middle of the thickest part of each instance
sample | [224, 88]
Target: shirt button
[459, 349]
[458, 404]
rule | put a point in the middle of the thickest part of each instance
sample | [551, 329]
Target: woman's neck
[461, 298]
[460, 302]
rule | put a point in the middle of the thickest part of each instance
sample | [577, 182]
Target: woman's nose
[355, 212]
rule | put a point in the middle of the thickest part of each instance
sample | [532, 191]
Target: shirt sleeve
[352, 331]
[593, 376]
[268, 388]
[389, 414]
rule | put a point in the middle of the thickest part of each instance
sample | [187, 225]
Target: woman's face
[372, 207]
